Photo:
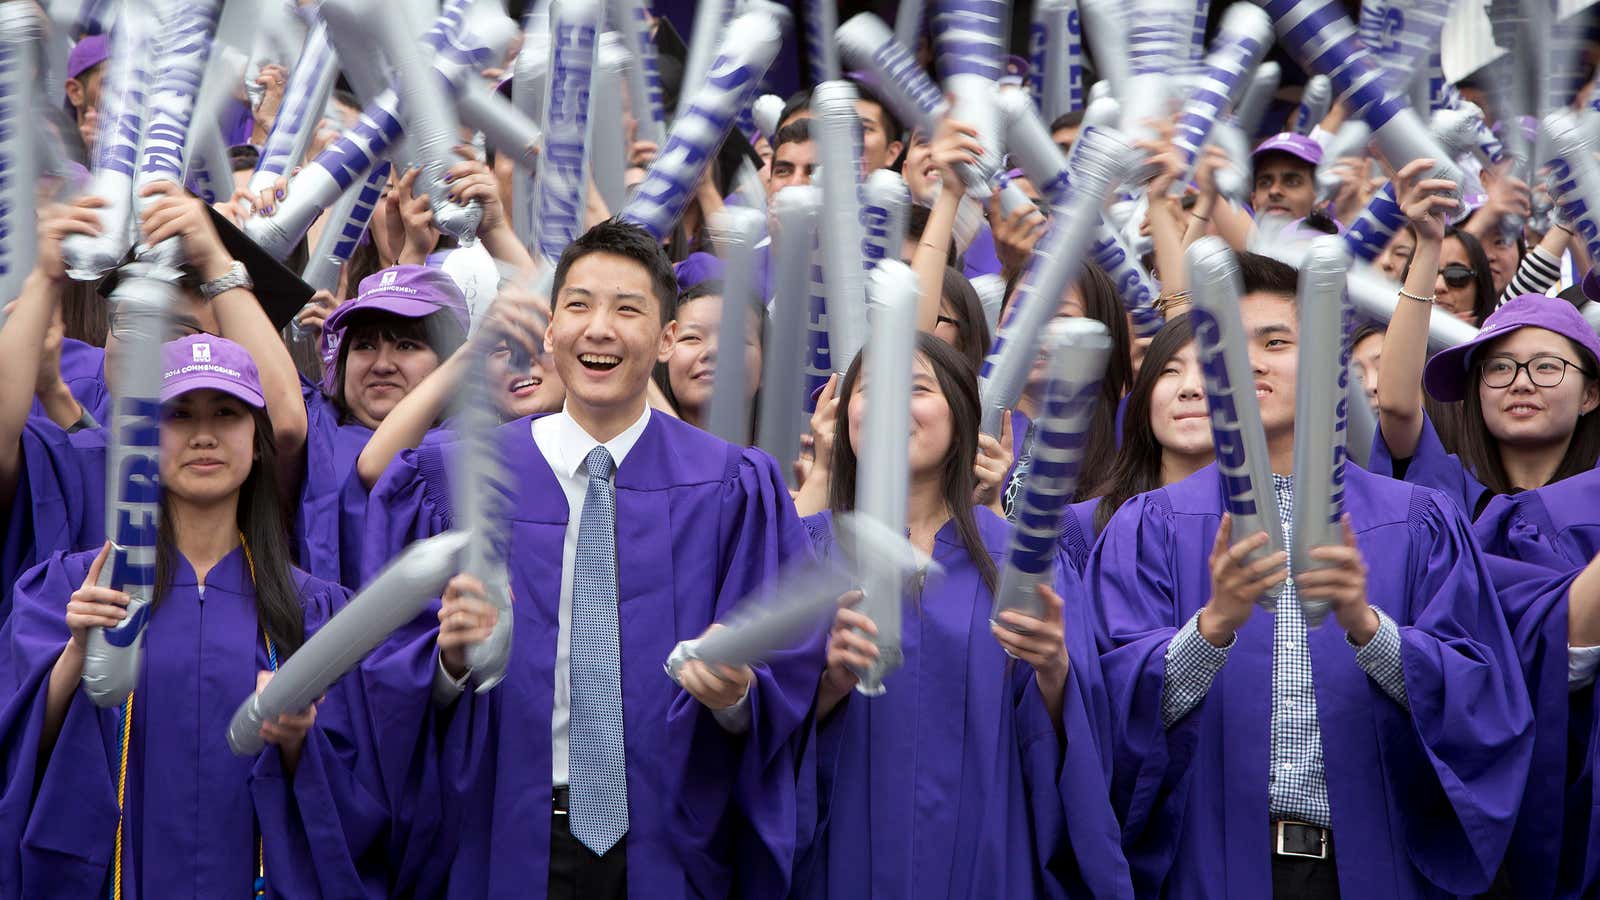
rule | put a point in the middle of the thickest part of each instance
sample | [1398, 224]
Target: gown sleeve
[1429, 466]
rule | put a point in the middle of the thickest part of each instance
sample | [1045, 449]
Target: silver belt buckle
[1322, 835]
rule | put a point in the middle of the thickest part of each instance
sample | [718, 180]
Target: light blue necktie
[597, 778]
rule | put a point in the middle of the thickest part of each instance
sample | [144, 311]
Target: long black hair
[1137, 468]
[972, 323]
[1480, 451]
[263, 522]
[959, 383]
[1101, 303]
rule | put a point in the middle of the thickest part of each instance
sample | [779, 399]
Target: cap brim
[406, 307]
[1445, 375]
[200, 381]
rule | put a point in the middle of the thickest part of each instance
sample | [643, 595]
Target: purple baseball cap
[205, 361]
[1296, 145]
[1447, 375]
[87, 53]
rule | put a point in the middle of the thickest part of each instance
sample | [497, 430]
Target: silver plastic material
[1361, 422]
[1410, 31]
[783, 347]
[1322, 39]
[276, 34]
[801, 600]
[206, 166]
[481, 501]
[608, 147]
[1258, 94]
[505, 127]
[705, 45]
[866, 44]
[910, 19]
[768, 112]
[123, 88]
[644, 76]
[1055, 58]
[1574, 177]
[1375, 296]
[735, 231]
[1078, 350]
[1236, 431]
[432, 130]
[561, 187]
[1457, 130]
[347, 223]
[836, 130]
[1104, 159]
[21, 42]
[112, 657]
[396, 596]
[885, 211]
[1321, 405]
[1315, 101]
[1106, 34]
[304, 99]
[750, 45]
[531, 69]
[1241, 42]
[882, 488]
[968, 50]
[1158, 37]
[1350, 140]
[822, 20]
[1376, 226]
[992, 294]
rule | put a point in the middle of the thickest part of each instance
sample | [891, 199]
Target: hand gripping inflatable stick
[968, 49]
[393, 598]
[1078, 351]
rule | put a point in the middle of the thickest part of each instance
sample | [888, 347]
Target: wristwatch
[235, 277]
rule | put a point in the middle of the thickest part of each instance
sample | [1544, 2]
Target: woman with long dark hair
[146, 799]
[975, 774]
[1526, 388]
[688, 375]
[1166, 437]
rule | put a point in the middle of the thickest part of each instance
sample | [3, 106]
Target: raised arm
[471, 179]
[955, 143]
[1405, 343]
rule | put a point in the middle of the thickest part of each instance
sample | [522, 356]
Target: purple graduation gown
[1422, 802]
[1431, 466]
[83, 371]
[59, 501]
[700, 523]
[330, 505]
[193, 808]
[956, 783]
[1076, 533]
[1539, 541]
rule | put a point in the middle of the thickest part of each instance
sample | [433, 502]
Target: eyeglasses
[1457, 276]
[1543, 371]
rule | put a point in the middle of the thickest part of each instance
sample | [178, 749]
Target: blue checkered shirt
[1297, 788]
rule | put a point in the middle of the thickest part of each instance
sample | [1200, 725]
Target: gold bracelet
[1166, 300]
[1410, 296]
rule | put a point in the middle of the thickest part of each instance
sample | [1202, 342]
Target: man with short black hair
[794, 157]
[1383, 754]
[588, 769]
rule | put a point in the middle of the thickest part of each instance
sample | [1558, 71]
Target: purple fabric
[83, 371]
[409, 291]
[954, 783]
[981, 258]
[190, 806]
[93, 50]
[208, 362]
[1430, 466]
[1422, 802]
[59, 501]
[1299, 146]
[699, 524]
[697, 267]
[1076, 533]
[237, 123]
[326, 493]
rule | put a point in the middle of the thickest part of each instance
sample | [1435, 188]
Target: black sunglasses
[1457, 276]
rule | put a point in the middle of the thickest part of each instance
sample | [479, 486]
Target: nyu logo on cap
[388, 278]
[202, 352]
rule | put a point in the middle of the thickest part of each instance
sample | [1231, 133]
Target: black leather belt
[1301, 839]
[558, 801]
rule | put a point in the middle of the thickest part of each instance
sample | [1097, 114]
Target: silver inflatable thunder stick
[1031, 147]
[822, 20]
[836, 129]
[482, 505]
[183, 47]
[968, 48]
[304, 99]
[561, 187]
[910, 18]
[608, 148]
[1078, 351]
[1104, 160]
[992, 294]
[133, 480]
[432, 130]
[121, 116]
[1106, 35]
[1055, 58]
[21, 36]
[529, 72]
[504, 127]
[1376, 225]
[1574, 176]
[705, 45]
[767, 110]
[1258, 94]
[347, 223]
[1245, 35]
[1315, 102]
[393, 598]
[882, 491]
[644, 76]
[885, 210]
[801, 599]
[1241, 443]
[1374, 296]
[1320, 37]
[794, 211]
[750, 45]
[735, 230]
[1321, 405]
[1158, 38]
